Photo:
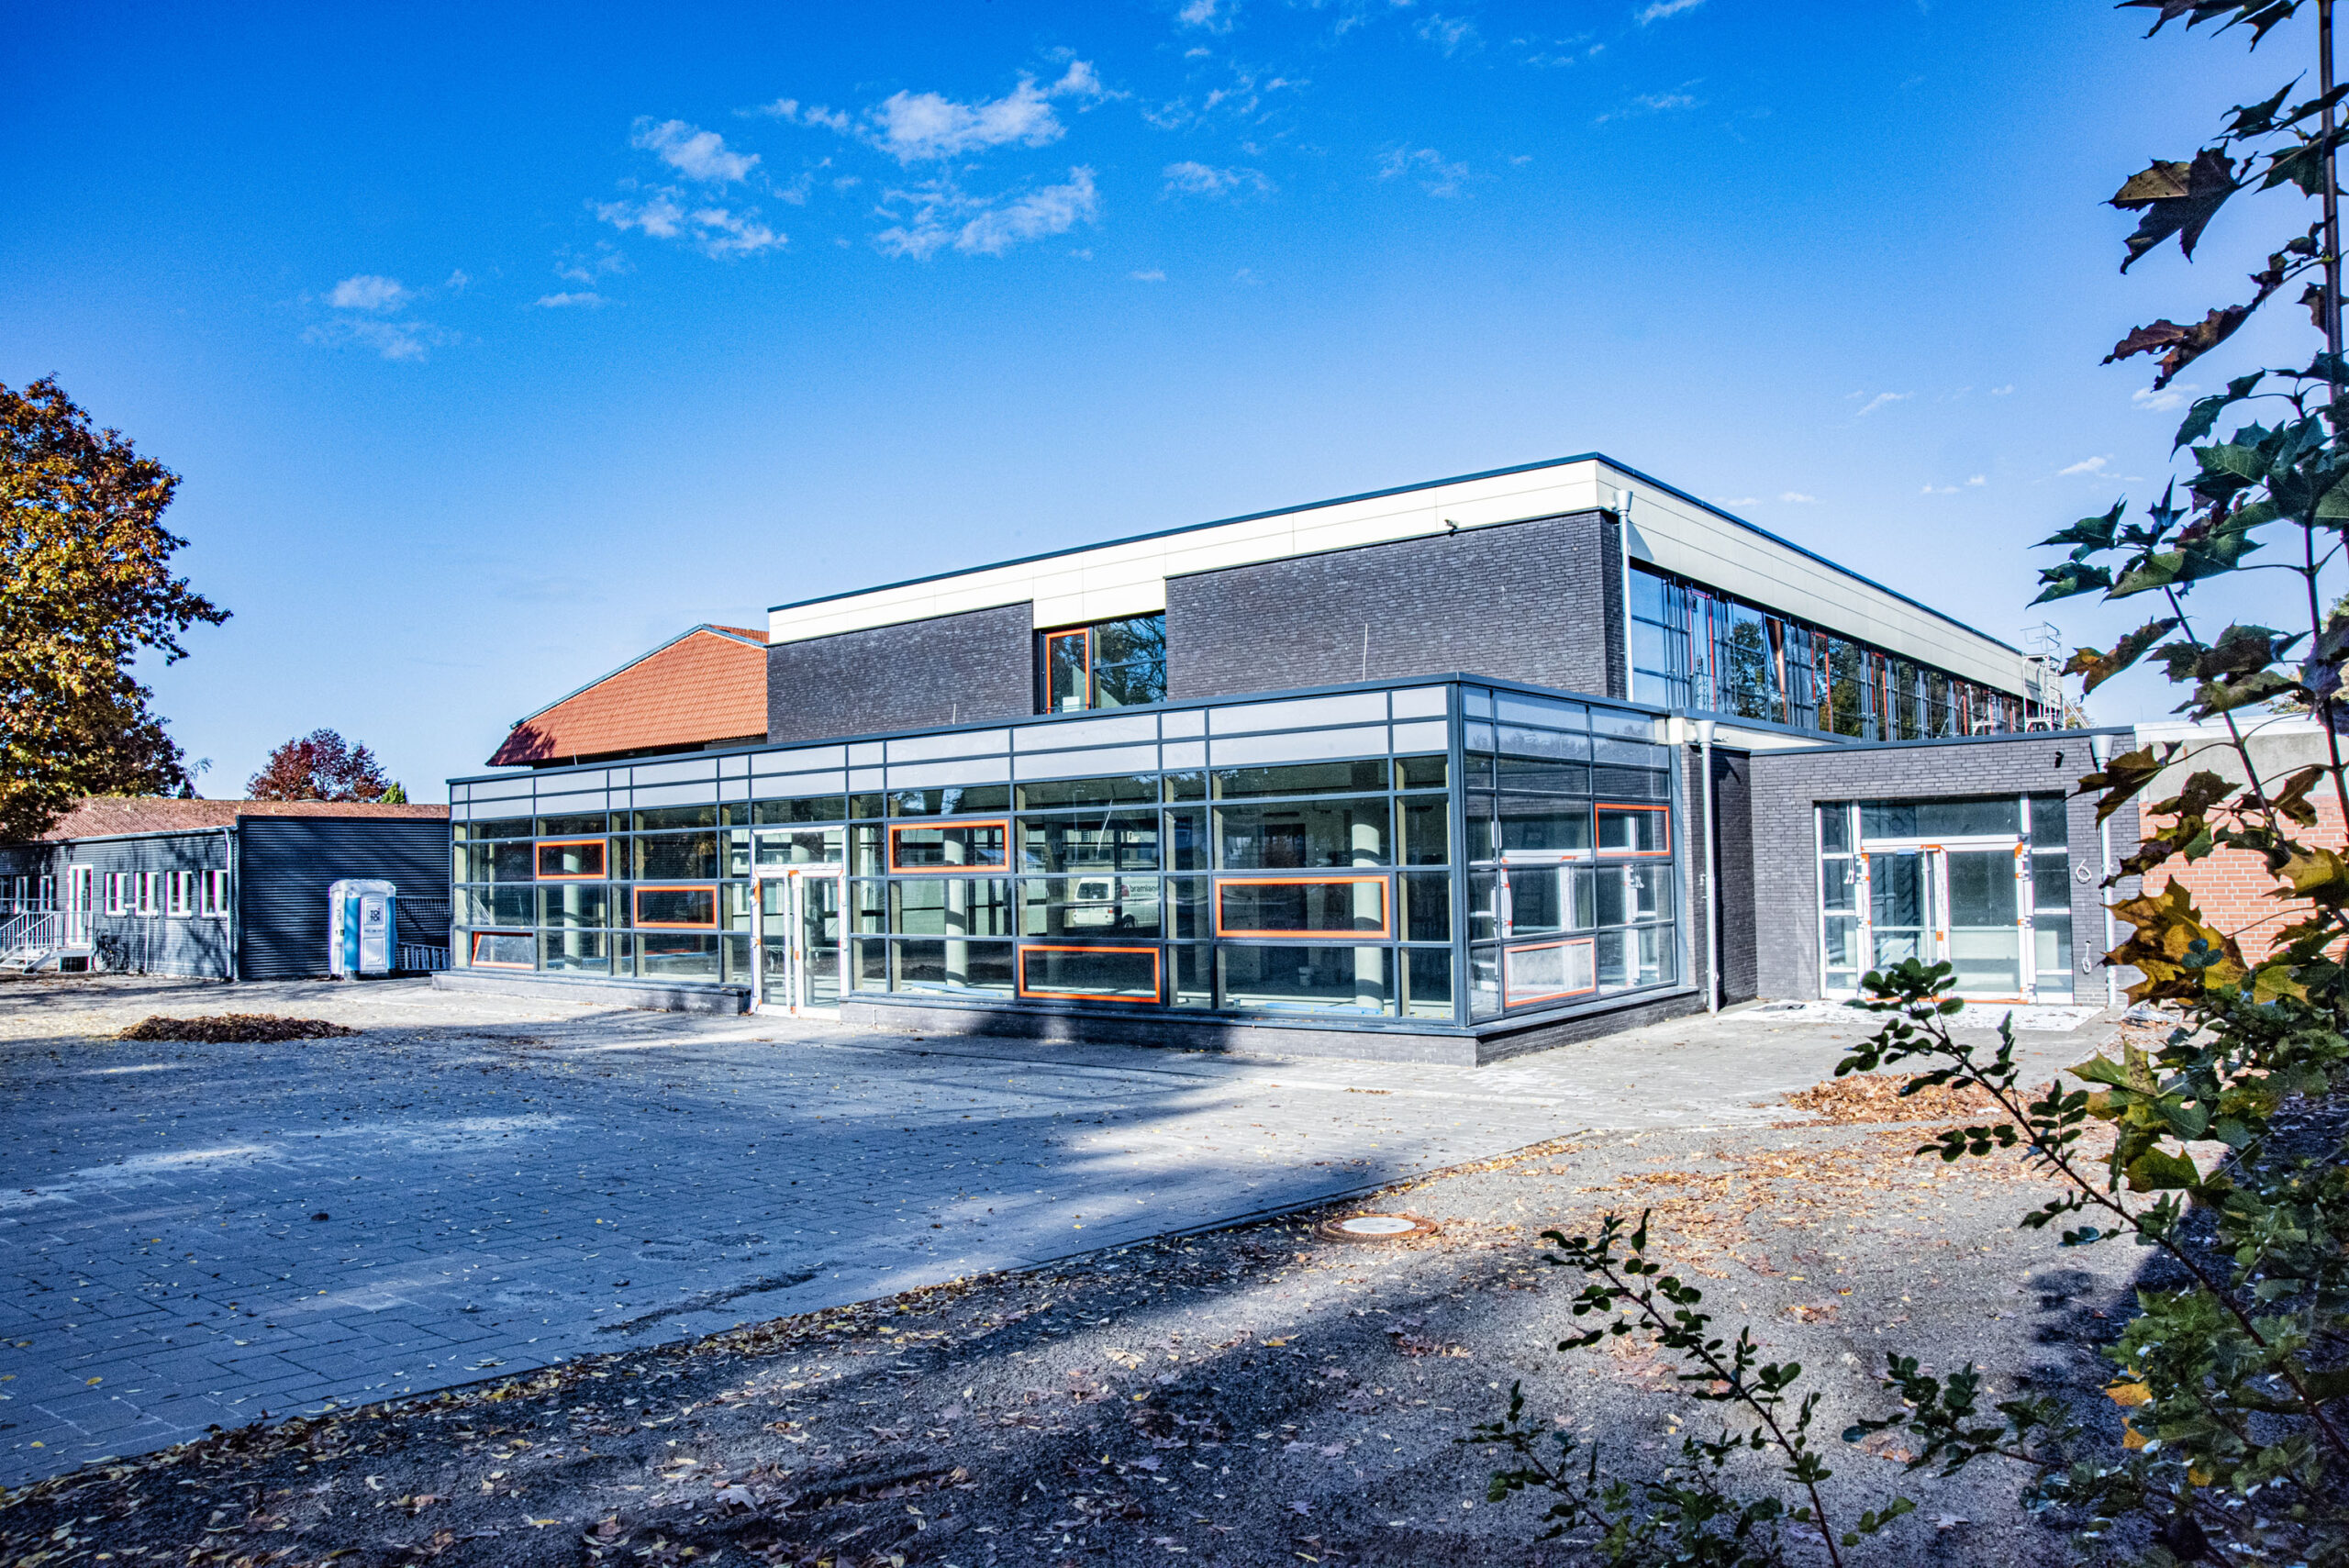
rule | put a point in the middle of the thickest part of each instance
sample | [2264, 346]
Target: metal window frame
[1156, 951]
[602, 846]
[1319, 936]
[1589, 943]
[472, 950]
[930, 824]
[635, 906]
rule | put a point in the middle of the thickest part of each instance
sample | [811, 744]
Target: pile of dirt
[1870, 1096]
[234, 1028]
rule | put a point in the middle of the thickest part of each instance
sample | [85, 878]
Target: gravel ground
[1250, 1396]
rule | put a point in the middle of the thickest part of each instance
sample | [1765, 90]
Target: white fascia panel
[1129, 578]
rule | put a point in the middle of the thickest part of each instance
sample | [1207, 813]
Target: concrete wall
[1539, 601]
[980, 664]
[1789, 785]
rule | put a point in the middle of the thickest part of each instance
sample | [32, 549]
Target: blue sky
[498, 344]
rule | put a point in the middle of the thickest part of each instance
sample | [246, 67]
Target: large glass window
[1112, 663]
[1694, 647]
[1982, 884]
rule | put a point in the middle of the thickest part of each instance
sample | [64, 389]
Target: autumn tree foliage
[2226, 1437]
[321, 765]
[85, 586]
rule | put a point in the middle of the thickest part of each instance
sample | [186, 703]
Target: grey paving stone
[509, 1183]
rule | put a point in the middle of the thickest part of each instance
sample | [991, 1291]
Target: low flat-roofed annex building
[215, 889]
[1413, 773]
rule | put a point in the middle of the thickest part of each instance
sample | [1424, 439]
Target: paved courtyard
[200, 1234]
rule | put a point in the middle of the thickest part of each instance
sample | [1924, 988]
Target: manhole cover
[1377, 1228]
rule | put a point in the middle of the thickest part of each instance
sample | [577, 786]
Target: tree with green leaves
[2231, 1387]
[85, 587]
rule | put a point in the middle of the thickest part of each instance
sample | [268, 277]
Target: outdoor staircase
[29, 941]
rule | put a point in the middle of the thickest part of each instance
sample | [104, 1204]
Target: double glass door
[798, 971]
[1949, 903]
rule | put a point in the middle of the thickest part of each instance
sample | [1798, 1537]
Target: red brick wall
[2230, 887]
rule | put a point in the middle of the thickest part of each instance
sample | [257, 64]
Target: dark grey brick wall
[1539, 601]
[1733, 841]
[1789, 785]
[948, 670]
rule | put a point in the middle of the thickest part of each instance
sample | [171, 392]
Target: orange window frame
[1050, 638]
[969, 868]
[1508, 999]
[636, 908]
[1598, 807]
[1157, 975]
[1386, 907]
[475, 958]
[603, 847]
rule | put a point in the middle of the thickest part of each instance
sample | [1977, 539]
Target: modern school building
[1445, 771]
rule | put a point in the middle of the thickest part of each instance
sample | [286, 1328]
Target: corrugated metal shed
[286, 863]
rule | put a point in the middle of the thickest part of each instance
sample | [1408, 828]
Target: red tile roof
[100, 817]
[709, 684]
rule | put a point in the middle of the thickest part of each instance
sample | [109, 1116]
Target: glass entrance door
[1984, 939]
[1901, 907]
[800, 941]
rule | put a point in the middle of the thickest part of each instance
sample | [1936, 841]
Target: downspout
[1623, 552]
[236, 897]
[1712, 879]
[2100, 747]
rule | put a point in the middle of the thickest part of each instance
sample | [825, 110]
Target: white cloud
[1153, 275]
[603, 261]
[367, 291]
[369, 312]
[699, 155]
[1941, 490]
[662, 218]
[716, 231]
[459, 280]
[396, 341]
[1738, 500]
[1247, 275]
[2002, 391]
[1212, 14]
[1450, 34]
[1978, 479]
[912, 126]
[1426, 166]
[2086, 465]
[1880, 400]
[1203, 180]
[721, 232]
[2161, 402]
[1796, 496]
[943, 216]
[1657, 10]
[798, 114]
[584, 300]
[1655, 104]
[1054, 209]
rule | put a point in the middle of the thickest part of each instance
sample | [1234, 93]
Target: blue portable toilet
[362, 923]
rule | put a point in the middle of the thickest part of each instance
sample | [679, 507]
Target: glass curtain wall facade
[1693, 647]
[1439, 854]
